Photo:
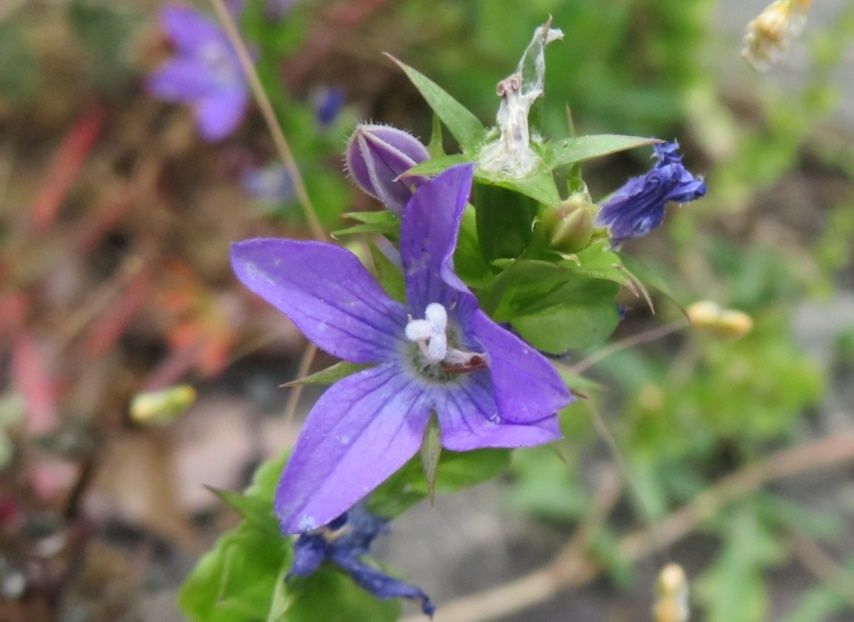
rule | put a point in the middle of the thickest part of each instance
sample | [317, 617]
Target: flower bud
[377, 155]
[569, 225]
[710, 317]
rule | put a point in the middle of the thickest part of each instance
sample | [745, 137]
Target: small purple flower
[268, 184]
[485, 386]
[639, 205]
[377, 155]
[205, 72]
[327, 104]
[344, 542]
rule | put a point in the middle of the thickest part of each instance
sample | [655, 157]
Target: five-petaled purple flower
[344, 542]
[205, 72]
[639, 205]
[440, 355]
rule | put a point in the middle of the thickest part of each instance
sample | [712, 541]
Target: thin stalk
[266, 108]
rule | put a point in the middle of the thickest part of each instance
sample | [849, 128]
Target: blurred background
[115, 220]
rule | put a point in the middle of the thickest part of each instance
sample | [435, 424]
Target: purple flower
[344, 542]
[327, 104]
[485, 386]
[205, 72]
[268, 184]
[377, 155]
[638, 206]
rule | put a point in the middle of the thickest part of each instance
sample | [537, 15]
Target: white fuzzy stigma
[431, 333]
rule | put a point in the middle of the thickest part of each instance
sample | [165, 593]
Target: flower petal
[469, 419]
[363, 429]
[188, 28]
[326, 292]
[380, 584]
[219, 114]
[527, 387]
[181, 80]
[428, 237]
[309, 552]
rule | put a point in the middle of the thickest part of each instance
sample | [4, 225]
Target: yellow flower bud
[769, 35]
[671, 603]
[710, 317]
[158, 407]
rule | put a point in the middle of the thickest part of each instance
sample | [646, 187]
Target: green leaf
[382, 222]
[521, 284]
[235, 581]
[330, 375]
[581, 148]
[539, 185]
[599, 261]
[254, 510]
[462, 124]
[546, 486]
[504, 221]
[437, 164]
[456, 470]
[469, 263]
[578, 324]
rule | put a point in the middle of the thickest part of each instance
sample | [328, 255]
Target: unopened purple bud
[377, 155]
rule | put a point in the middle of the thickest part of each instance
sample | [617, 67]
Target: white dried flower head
[769, 34]
[511, 154]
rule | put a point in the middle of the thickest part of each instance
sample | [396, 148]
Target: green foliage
[106, 32]
[242, 579]
[455, 471]
[734, 587]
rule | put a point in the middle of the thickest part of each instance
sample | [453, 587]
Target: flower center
[431, 335]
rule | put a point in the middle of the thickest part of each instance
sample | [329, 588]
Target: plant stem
[266, 108]
[572, 567]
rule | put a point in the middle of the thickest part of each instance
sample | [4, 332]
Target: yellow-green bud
[569, 225]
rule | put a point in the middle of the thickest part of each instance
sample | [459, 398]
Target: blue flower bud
[639, 205]
[377, 155]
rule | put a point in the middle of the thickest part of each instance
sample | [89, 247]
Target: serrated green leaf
[462, 124]
[599, 261]
[330, 375]
[456, 470]
[581, 148]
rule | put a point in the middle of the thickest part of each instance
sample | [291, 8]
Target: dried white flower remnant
[511, 154]
[768, 36]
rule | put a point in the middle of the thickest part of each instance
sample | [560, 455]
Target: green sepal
[436, 148]
[330, 375]
[456, 470]
[430, 454]
[382, 221]
[388, 274]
